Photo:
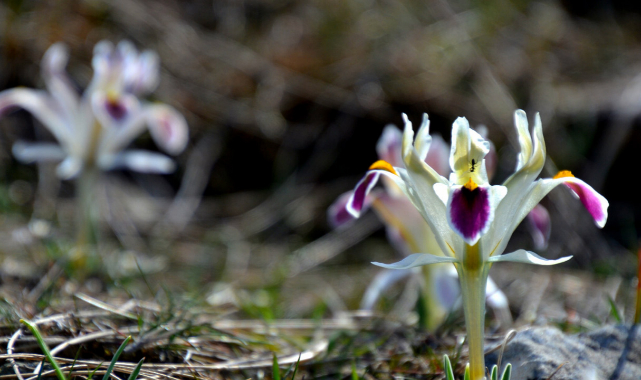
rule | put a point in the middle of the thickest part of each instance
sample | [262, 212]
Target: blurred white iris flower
[471, 220]
[94, 128]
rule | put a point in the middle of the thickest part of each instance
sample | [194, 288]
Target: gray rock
[610, 352]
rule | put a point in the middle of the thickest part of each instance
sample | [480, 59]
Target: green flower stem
[85, 216]
[473, 278]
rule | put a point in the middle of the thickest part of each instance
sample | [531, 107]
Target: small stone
[610, 352]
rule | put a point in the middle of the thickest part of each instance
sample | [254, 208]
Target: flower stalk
[473, 279]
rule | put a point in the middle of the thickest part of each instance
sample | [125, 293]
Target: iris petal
[539, 225]
[523, 256]
[337, 214]
[470, 210]
[356, 202]
[168, 127]
[594, 202]
[389, 145]
[417, 260]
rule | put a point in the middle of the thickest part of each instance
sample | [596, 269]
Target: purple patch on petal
[590, 200]
[357, 201]
[469, 211]
[116, 109]
[337, 214]
[539, 222]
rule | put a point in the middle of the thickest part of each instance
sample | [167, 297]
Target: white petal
[438, 156]
[423, 139]
[525, 141]
[389, 145]
[42, 106]
[381, 282]
[518, 201]
[59, 85]
[408, 136]
[417, 259]
[467, 145]
[168, 127]
[69, 168]
[494, 296]
[442, 191]
[32, 152]
[140, 161]
[523, 256]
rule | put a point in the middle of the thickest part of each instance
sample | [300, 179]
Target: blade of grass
[42, 364]
[43, 346]
[136, 370]
[354, 373]
[275, 369]
[94, 371]
[73, 364]
[447, 367]
[114, 360]
[614, 311]
[507, 372]
[296, 368]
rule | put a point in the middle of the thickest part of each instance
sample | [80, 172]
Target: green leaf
[507, 373]
[136, 370]
[354, 373]
[466, 376]
[296, 368]
[614, 311]
[114, 360]
[275, 369]
[42, 365]
[43, 346]
[494, 375]
[447, 367]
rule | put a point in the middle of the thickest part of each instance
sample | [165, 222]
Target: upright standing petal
[389, 145]
[438, 156]
[60, 87]
[467, 154]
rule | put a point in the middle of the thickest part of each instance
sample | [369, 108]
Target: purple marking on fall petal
[469, 211]
[357, 200]
[590, 201]
[337, 214]
[116, 109]
[540, 228]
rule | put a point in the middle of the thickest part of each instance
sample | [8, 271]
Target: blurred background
[285, 100]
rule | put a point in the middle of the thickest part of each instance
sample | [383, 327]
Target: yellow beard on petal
[563, 174]
[470, 185]
[383, 165]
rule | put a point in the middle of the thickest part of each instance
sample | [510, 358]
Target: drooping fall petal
[470, 209]
[539, 225]
[523, 256]
[168, 127]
